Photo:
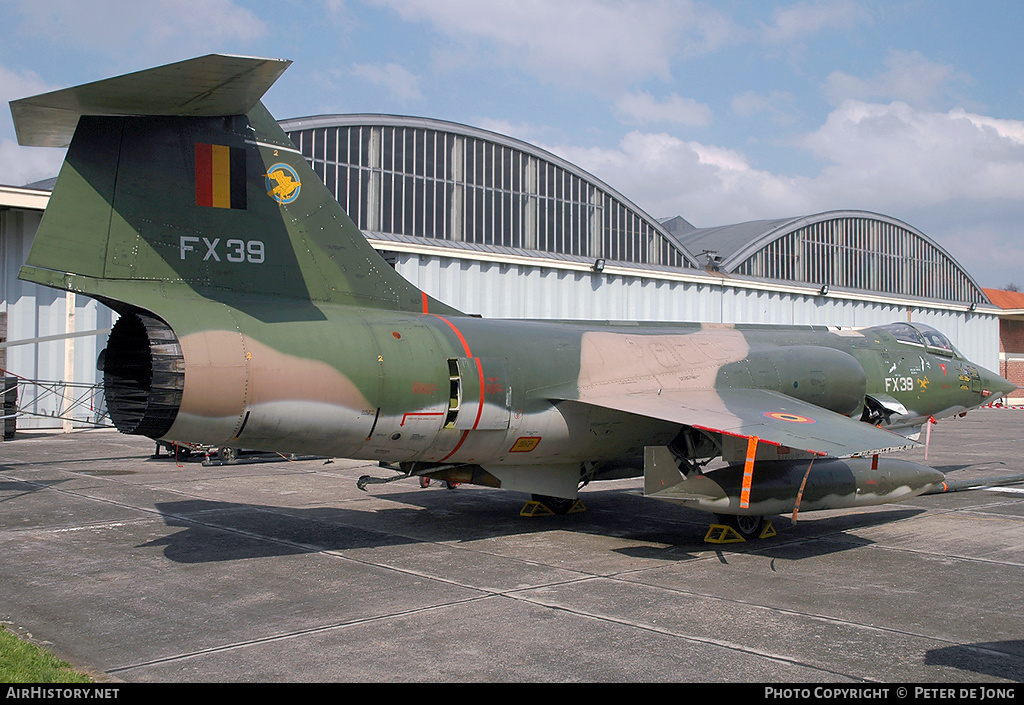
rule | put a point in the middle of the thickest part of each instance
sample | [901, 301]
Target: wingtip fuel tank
[777, 486]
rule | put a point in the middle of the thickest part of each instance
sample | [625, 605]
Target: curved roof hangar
[420, 177]
[403, 178]
[844, 248]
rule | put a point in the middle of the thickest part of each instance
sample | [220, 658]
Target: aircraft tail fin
[178, 178]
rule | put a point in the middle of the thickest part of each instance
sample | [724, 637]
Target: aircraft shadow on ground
[224, 531]
[220, 531]
[216, 531]
[66, 460]
[810, 538]
[998, 659]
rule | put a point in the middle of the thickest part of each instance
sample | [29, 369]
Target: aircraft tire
[749, 527]
[558, 505]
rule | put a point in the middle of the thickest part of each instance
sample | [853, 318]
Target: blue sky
[721, 111]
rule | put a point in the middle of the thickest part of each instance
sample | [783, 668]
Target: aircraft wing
[774, 418]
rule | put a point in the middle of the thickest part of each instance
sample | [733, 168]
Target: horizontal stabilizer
[208, 86]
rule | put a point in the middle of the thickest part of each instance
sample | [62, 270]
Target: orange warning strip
[748, 472]
[800, 494]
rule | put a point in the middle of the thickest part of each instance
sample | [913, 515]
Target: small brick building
[1011, 337]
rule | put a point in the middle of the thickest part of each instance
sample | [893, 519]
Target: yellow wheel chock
[768, 531]
[577, 507]
[720, 533]
[534, 508]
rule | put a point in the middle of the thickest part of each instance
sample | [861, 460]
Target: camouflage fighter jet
[254, 314]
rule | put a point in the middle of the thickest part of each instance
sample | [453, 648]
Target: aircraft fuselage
[439, 389]
[255, 314]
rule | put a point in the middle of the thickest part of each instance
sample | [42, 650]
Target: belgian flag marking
[220, 176]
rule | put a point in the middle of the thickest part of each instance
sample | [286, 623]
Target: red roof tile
[1005, 299]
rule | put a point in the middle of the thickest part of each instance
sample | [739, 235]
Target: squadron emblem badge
[283, 183]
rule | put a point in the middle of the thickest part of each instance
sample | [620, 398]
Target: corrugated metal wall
[498, 290]
[34, 311]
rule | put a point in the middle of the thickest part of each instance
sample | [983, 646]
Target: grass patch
[23, 662]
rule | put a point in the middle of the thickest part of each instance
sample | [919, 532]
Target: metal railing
[75, 402]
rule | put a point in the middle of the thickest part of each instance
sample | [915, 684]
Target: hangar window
[862, 253]
[415, 181]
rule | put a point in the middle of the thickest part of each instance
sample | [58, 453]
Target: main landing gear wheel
[425, 482]
[749, 527]
[558, 505]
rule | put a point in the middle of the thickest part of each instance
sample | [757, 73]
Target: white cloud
[706, 184]
[897, 155]
[958, 176]
[25, 165]
[599, 44]
[875, 157]
[402, 84]
[641, 108]
[18, 84]
[22, 165]
[910, 78]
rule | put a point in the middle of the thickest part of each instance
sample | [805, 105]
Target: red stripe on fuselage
[479, 409]
[457, 446]
[480, 373]
[465, 345]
